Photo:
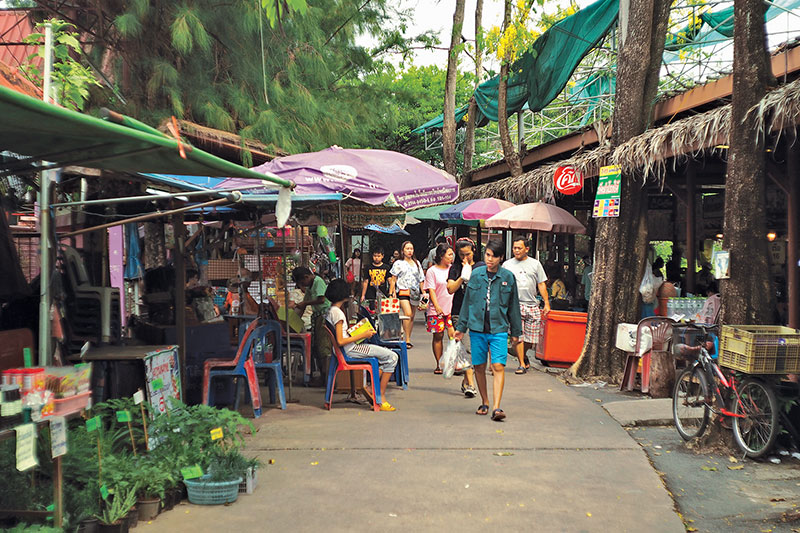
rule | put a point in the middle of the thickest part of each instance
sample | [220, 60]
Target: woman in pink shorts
[441, 301]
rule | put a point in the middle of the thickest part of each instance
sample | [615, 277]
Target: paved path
[433, 465]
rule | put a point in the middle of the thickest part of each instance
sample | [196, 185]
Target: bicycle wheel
[756, 432]
[689, 409]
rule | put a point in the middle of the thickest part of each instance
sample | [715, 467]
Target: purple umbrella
[375, 177]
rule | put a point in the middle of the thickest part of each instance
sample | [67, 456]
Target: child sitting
[338, 293]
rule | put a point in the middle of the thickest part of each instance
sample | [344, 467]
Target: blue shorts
[483, 342]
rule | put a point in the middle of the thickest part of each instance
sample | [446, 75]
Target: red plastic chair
[237, 363]
[661, 335]
[339, 362]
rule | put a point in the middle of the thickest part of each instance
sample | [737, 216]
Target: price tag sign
[93, 424]
[192, 472]
[158, 384]
[123, 416]
[216, 433]
[26, 447]
[104, 491]
[138, 397]
[58, 436]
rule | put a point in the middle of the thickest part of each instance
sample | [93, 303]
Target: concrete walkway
[558, 463]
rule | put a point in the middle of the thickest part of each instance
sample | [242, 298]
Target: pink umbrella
[484, 208]
[538, 216]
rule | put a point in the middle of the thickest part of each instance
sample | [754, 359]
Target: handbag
[404, 292]
[350, 276]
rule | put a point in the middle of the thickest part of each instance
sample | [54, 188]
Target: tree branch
[343, 24]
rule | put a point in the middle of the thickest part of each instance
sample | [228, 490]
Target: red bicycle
[750, 404]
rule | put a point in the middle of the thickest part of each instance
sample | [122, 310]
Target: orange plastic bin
[561, 338]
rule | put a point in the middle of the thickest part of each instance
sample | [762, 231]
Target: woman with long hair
[352, 269]
[440, 306]
[406, 285]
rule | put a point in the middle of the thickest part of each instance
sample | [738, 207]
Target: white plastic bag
[448, 359]
[649, 286]
[463, 359]
[466, 272]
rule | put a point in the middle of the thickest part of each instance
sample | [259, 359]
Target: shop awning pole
[341, 237]
[44, 221]
[793, 234]
[289, 365]
[151, 216]
[149, 197]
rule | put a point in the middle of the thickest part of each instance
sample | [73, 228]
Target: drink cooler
[561, 338]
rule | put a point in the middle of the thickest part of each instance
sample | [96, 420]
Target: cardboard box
[342, 383]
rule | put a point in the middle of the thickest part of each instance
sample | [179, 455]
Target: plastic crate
[248, 486]
[71, 404]
[760, 349]
[204, 492]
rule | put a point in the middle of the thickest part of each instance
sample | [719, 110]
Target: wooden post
[58, 492]
[180, 295]
[691, 245]
[793, 233]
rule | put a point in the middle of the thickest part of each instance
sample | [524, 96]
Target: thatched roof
[649, 153]
[226, 145]
[538, 182]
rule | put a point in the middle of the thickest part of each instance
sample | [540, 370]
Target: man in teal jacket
[490, 309]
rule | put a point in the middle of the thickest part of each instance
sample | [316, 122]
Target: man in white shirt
[530, 276]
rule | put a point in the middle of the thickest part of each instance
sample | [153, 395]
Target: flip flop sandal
[498, 415]
[409, 345]
[521, 370]
[437, 371]
[482, 410]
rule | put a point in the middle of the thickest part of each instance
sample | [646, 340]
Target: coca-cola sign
[568, 180]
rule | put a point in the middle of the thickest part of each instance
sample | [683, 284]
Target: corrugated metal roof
[11, 78]
[14, 27]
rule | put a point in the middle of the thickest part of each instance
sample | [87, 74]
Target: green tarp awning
[543, 70]
[37, 131]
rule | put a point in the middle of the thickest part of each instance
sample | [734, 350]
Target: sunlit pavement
[557, 463]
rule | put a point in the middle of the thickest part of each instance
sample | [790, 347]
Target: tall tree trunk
[510, 154]
[747, 297]
[469, 141]
[449, 126]
[621, 243]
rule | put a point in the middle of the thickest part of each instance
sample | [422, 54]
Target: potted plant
[221, 483]
[116, 509]
[152, 480]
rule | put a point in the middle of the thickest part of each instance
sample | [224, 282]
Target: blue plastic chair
[340, 362]
[260, 340]
[236, 369]
[398, 347]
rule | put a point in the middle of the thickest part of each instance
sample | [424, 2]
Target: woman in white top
[338, 293]
[406, 285]
[352, 268]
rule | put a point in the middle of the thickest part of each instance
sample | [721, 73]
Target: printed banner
[163, 376]
[606, 201]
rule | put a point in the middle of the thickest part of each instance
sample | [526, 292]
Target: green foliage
[71, 78]
[118, 505]
[304, 90]
[33, 528]
[227, 465]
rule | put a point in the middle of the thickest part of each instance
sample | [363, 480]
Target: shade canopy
[38, 131]
[428, 213]
[538, 216]
[472, 211]
[394, 229]
[375, 177]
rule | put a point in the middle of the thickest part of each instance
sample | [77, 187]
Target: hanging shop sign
[606, 201]
[568, 180]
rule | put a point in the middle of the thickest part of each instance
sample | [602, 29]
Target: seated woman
[338, 293]
[558, 290]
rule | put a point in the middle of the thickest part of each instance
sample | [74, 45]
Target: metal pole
[147, 217]
[150, 197]
[341, 237]
[260, 269]
[179, 231]
[44, 220]
[289, 372]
